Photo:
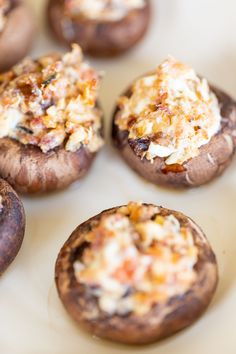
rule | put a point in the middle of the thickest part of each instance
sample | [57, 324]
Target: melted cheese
[50, 102]
[136, 259]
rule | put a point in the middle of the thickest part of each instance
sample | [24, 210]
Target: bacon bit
[174, 168]
[125, 273]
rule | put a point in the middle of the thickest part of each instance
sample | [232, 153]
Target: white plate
[32, 319]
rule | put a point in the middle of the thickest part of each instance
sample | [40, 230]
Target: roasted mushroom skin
[29, 170]
[213, 159]
[32, 160]
[12, 225]
[162, 321]
[100, 39]
[17, 35]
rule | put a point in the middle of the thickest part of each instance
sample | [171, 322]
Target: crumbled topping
[102, 10]
[173, 109]
[136, 259]
[52, 101]
[4, 7]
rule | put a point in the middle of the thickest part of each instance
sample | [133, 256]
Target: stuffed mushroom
[100, 27]
[16, 32]
[50, 122]
[173, 128]
[12, 225]
[136, 274]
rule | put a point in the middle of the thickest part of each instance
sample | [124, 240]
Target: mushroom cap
[213, 158]
[17, 36]
[12, 225]
[29, 170]
[162, 320]
[102, 39]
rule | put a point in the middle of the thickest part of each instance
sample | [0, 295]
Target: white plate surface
[32, 319]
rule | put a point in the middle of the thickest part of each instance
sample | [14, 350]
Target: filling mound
[52, 101]
[4, 8]
[102, 10]
[136, 259]
[172, 113]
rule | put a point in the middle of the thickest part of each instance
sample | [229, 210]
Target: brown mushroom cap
[17, 35]
[12, 225]
[99, 38]
[29, 170]
[163, 320]
[212, 160]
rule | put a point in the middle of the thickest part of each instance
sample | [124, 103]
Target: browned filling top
[137, 258]
[52, 101]
[173, 110]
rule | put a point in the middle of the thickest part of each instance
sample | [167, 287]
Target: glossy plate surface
[32, 319]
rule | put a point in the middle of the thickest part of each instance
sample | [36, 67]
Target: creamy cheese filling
[102, 10]
[52, 101]
[4, 7]
[136, 259]
[174, 109]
